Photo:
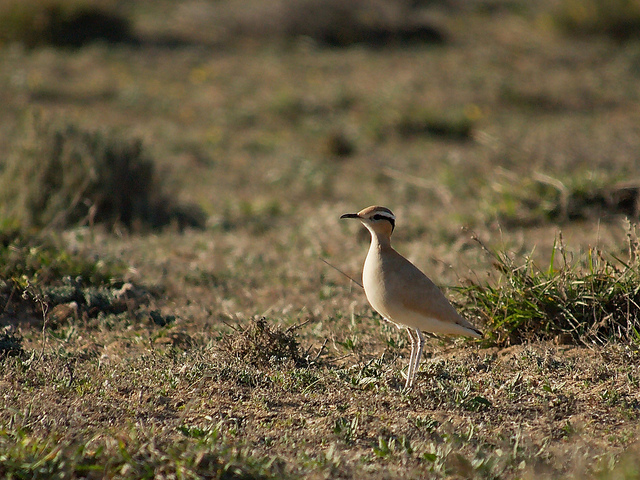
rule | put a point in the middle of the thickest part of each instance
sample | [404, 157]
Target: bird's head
[379, 220]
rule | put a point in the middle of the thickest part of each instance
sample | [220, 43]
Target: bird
[401, 293]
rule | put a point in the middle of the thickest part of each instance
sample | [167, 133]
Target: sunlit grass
[590, 298]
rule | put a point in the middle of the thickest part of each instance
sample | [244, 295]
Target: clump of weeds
[592, 299]
[40, 278]
[260, 344]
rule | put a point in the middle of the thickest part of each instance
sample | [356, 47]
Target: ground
[274, 141]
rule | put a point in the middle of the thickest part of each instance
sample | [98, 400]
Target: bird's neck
[380, 241]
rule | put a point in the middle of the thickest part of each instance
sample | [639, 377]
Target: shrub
[452, 126]
[541, 198]
[60, 175]
[337, 23]
[617, 19]
[337, 144]
[63, 23]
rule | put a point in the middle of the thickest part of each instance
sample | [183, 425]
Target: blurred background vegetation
[168, 166]
[303, 101]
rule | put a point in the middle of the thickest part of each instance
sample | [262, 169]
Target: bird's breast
[375, 286]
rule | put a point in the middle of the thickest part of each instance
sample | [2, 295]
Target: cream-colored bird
[401, 293]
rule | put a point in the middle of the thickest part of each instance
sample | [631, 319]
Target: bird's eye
[377, 216]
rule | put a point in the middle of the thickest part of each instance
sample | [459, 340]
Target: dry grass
[166, 389]
[259, 344]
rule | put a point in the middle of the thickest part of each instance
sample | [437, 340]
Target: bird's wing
[417, 293]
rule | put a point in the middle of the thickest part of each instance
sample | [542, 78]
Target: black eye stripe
[389, 218]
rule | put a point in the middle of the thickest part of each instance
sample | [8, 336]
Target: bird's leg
[418, 356]
[411, 359]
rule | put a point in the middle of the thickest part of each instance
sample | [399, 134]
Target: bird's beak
[349, 215]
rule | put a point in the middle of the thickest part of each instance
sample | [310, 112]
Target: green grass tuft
[593, 299]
